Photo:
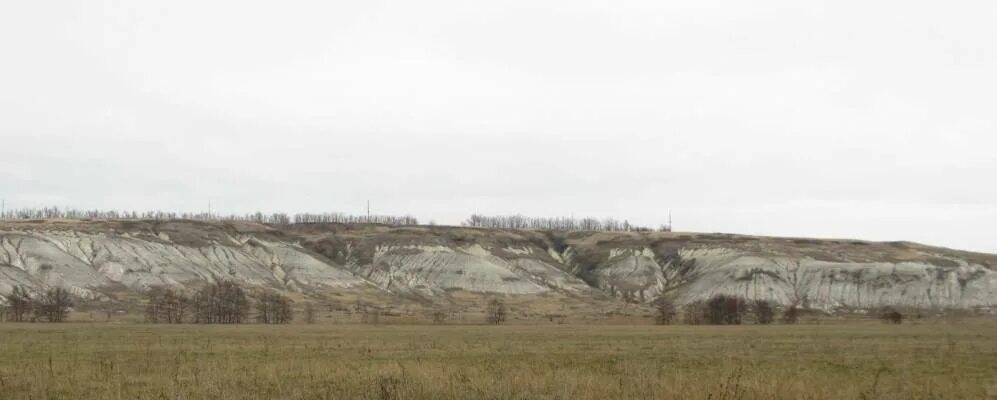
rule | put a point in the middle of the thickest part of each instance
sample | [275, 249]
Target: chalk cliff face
[699, 273]
[87, 262]
[100, 260]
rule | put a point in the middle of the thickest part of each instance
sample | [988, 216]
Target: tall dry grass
[849, 361]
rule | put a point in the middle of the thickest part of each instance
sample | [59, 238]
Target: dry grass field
[856, 360]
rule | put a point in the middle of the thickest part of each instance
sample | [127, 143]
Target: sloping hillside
[116, 260]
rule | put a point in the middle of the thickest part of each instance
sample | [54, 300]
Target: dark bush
[791, 315]
[725, 310]
[764, 312]
[891, 316]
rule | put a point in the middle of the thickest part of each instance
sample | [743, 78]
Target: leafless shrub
[167, 306]
[891, 316]
[664, 311]
[273, 308]
[764, 312]
[495, 312]
[221, 303]
[18, 304]
[725, 310]
[694, 313]
[53, 305]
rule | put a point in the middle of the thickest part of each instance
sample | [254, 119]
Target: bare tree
[273, 308]
[18, 304]
[178, 306]
[221, 303]
[694, 313]
[53, 305]
[791, 315]
[495, 313]
[764, 312]
[167, 306]
[664, 311]
[309, 313]
[725, 310]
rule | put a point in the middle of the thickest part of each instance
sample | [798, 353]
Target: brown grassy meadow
[854, 360]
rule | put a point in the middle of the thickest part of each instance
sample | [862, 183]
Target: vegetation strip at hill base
[852, 361]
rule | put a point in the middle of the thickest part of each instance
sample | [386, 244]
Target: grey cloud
[807, 118]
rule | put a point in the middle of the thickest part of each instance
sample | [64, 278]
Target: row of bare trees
[339, 218]
[68, 213]
[167, 307]
[721, 310]
[52, 305]
[220, 303]
[564, 224]
[733, 310]
[258, 217]
[273, 308]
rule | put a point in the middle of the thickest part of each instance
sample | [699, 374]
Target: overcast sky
[873, 120]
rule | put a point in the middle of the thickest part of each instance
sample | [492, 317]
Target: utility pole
[670, 221]
[368, 211]
[209, 210]
[3, 209]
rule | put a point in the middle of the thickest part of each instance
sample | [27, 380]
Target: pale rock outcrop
[698, 274]
[87, 262]
[93, 258]
[431, 269]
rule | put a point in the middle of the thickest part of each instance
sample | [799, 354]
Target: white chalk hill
[92, 258]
